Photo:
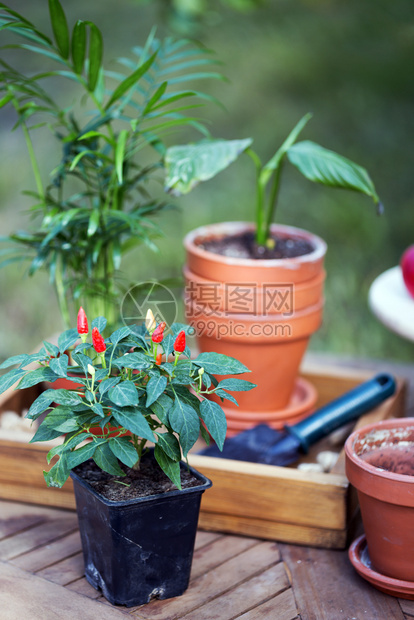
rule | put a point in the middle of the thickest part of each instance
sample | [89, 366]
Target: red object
[407, 267]
[158, 333]
[159, 359]
[97, 341]
[179, 344]
[83, 327]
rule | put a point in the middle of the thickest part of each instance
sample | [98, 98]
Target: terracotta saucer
[302, 402]
[360, 560]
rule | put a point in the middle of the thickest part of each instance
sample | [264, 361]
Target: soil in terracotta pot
[148, 480]
[244, 245]
[398, 459]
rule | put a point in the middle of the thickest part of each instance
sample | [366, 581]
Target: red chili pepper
[158, 333]
[83, 327]
[179, 344]
[97, 341]
[159, 359]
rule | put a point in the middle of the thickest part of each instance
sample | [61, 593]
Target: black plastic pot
[138, 549]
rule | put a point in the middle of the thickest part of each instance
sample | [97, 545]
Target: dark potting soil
[148, 480]
[244, 245]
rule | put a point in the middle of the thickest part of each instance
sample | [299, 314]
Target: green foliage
[121, 403]
[98, 204]
[187, 165]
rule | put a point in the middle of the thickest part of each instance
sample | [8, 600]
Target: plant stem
[273, 200]
[33, 161]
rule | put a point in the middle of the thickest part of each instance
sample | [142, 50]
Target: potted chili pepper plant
[256, 290]
[101, 198]
[137, 508]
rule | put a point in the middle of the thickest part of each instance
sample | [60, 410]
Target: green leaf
[59, 365]
[98, 409]
[67, 339]
[67, 398]
[119, 335]
[107, 384]
[161, 407]
[326, 167]
[45, 433]
[155, 387]
[120, 154]
[123, 449]
[215, 420]
[52, 349]
[95, 55]
[184, 421]
[220, 364]
[99, 323]
[169, 443]
[59, 27]
[41, 403]
[133, 420]
[124, 394]
[58, 474]
[61, 419]
[137, 361]
[76, 457]
[79, 46]
[187, 165]
[274, 162]
[226, 396]
[170, 467]
[93, 222]
[34, 377]
[15, 359]
[132, 79]
[236, 385]
[106, 460]
[156, 96]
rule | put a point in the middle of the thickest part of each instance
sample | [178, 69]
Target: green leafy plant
[127, 393]
[97, 204]
[187, 165]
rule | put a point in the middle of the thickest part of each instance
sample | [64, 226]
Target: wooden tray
[276, 503]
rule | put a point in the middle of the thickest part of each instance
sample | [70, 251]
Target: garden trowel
[263, 444]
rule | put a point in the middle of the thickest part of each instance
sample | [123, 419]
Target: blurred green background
[349, 63]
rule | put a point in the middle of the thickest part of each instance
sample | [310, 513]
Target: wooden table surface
[41, 574]
[41, 578]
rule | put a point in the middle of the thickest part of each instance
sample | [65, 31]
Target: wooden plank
[274, 530]
[36, 536]
[407, 607]
[23, 595]
[17, 517]
[21, 476]
[326, 586]
[50, 554]
[219, 551]
[282, 607]
[246, 596]
[65, 571]
[214, 583]
[205, 538]
[81, 586]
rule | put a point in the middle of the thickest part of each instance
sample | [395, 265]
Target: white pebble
[327, 459]
[317, 467]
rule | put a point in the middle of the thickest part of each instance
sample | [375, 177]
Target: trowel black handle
[344, 409]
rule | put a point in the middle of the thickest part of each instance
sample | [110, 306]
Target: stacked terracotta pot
[262, 312]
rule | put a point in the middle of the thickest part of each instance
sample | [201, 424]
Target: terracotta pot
[386, 499]
[261, 312]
